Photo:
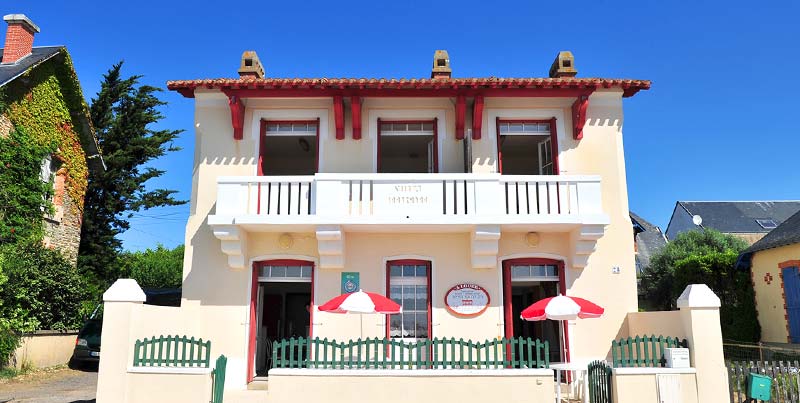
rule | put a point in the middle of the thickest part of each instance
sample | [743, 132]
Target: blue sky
[720, 122]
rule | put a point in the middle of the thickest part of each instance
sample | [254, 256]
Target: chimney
[441, 65]
[19, 37]
[251, 66]
[563, 66]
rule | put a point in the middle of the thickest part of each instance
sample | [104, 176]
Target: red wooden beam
[237, 116]
[579, 116]
[355, 109]
[477, 117]
[284, 92]
[461, 113]
[338, 116]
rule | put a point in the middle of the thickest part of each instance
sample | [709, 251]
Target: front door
[791, 288]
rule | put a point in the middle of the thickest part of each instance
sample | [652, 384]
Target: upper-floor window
[527, 147]
[408, 146]
[289, 147]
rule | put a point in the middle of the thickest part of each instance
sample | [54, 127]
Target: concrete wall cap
[698, 296]
[22, 19]
[124, 290]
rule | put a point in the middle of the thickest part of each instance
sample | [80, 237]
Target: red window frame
[262, 147]
[251, 346]
[507, 308]
[417, 262]
[553, 140]
[435, 122]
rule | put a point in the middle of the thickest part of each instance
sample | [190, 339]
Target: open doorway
[283, 307]
[289, 147]
[526, 147]
[525, 282]
[407, 147]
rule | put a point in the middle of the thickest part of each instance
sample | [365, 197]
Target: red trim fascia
[499, 153]
[417, 262]
[410, 121]
[579, 108]
[554, 148]
[436, 146]
[290, 121]
[410, 92]
[355, 112]
[338, 116]
[378, 147]
[317, 149]
[251, 347]
[789, 263]
[508, 316]
[237, 116]
[461, 114]
[477, 117]
[500, 120]
[262, 147]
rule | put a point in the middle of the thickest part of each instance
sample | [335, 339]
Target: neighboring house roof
[738, 216]
[649, 240]
[39, 55]
[785, 234]
[9, 72]
[187, 87]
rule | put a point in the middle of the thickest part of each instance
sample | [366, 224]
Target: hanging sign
[466, 300]
[350, 282]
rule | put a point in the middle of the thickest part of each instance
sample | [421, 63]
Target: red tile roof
[187, 87]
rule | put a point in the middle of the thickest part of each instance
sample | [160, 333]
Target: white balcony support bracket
[485, 246]
[330, 243]
[585, 241]
[233, 240]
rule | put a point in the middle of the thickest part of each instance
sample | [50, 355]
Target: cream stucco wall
[44, 349]
[643, 387]
[770, 302]
[221, 295]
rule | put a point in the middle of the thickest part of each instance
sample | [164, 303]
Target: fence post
[699, 308]
[119, 303]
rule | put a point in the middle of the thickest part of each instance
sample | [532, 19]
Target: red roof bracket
[237, 116]
[338, 116]
[461, 113]
[355, 110]
[579, 116]
[477, 117]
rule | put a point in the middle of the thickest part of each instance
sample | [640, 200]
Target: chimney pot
[563, 66]
[441, 65]
[19, 37]
[251, 66]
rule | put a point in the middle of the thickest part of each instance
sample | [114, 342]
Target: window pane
[394, 325]
[311, 127]
[421, 271]
[306, 271]
[285, 127]
[515, 127]
[272, 127]
[395, 271]
[421, 298]
[396, 293]
[428, 127]
[422, 325]
[278, 271]
[504, 128]
[544, 127]
[408, 271]
[414, 127]
[293, 271]
[408, 299]
[399, 127]
[520, 271]
[386, 127]
[408, 325]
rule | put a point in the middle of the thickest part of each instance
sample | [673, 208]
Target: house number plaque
[466, 300]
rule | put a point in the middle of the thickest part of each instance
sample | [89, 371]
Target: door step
[258, 384]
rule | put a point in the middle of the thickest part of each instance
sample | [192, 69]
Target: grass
[8, 373]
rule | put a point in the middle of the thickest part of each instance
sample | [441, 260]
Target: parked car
[87, 344]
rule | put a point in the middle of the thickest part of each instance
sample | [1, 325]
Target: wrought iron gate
[600, 382]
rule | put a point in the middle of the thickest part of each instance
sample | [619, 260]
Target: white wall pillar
[699, 308]
[119, 302]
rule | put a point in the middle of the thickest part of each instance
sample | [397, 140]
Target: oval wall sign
[466, 300]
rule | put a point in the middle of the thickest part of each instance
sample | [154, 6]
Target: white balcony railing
[330, 198]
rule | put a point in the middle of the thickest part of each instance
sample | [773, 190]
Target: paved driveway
[51, 386]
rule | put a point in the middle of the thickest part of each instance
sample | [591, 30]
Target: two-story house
[305, 187]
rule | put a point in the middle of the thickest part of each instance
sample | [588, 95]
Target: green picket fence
[599, 382]
[387, 353]
[643, 351]
[218, 386]
[171, 351]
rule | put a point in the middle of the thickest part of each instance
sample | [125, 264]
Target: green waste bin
[759, 387]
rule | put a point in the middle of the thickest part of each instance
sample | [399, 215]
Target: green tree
[155, 268]
[704, 257]
[123, 115]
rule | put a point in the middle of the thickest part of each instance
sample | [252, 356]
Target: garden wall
[44, 348]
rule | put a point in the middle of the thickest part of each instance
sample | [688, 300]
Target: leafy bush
[705, 257]
[154, 268]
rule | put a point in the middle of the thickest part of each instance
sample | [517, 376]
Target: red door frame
[251, 345]
[507, 308]
[553, 140]
[435, 122]
[262, 148]
[417, 262]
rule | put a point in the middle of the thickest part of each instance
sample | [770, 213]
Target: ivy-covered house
[41, 104]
